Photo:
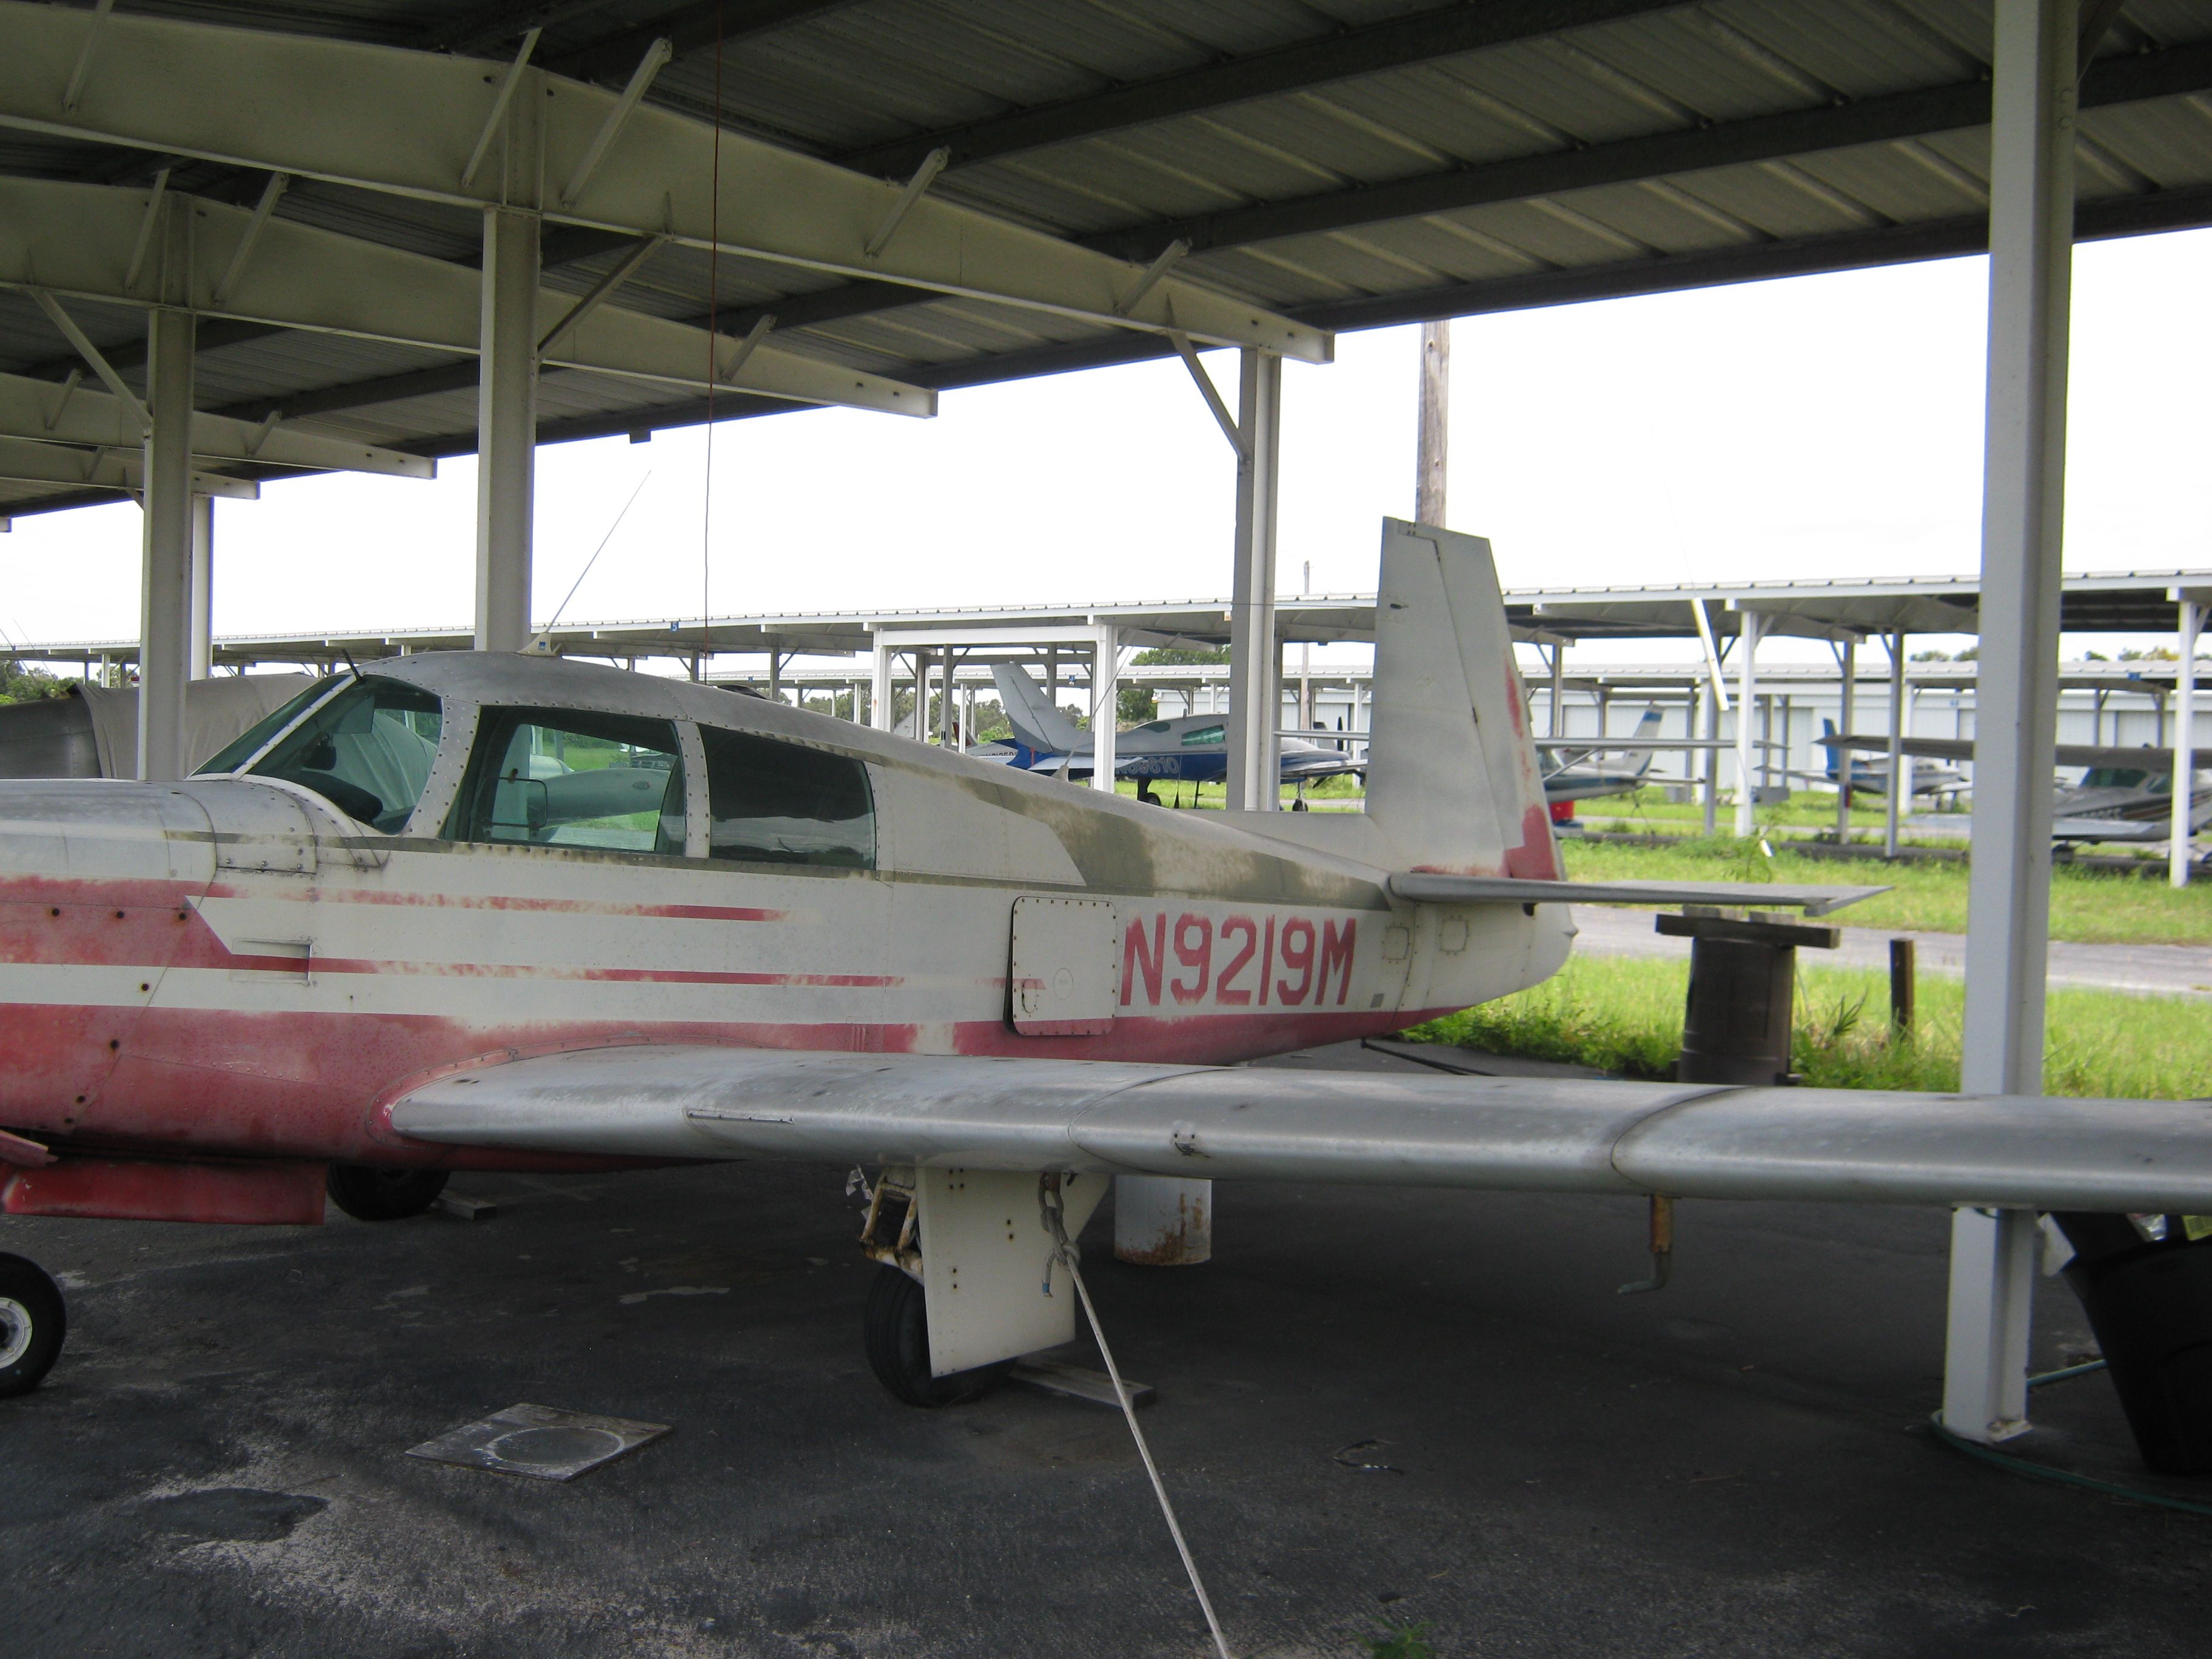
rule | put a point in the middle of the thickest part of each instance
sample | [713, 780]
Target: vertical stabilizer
[1030, 712]
[1454, 785]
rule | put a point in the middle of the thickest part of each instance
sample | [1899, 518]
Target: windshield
[368, 751]
[244, 747]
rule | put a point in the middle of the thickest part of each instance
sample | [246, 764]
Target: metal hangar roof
[1341, 165]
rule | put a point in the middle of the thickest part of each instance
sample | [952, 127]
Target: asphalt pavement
[1373, 1404]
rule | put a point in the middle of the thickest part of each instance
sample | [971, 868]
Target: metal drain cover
[538, 1441]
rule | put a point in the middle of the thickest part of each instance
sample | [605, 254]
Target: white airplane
[1576, 770]
[475, 912]
[2123, 794]
[1187, 749]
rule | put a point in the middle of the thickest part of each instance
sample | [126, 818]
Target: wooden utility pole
[1436, 417]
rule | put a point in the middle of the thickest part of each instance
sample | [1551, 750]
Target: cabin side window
[549, 777]
[782, 803]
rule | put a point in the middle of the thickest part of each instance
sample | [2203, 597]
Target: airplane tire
[33, 1322]
[368, 1193]
[895, 1332]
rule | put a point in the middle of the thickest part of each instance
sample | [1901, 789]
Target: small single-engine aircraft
[1576, 771]
[2123, 794]
[465, 911]
[1190, 749]
[1871, 777]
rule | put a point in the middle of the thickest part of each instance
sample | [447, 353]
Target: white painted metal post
[1848, 667]
[1254, 704]
[201, 603]
[165, 609]
[2184, 741]
[1747, 671]
[879, 688]
[506, 428]
[2023, 500]
[1711, 697]
[1105, 674]
[1893, 805]
[1554, 725]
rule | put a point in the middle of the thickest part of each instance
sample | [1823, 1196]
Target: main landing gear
[368, 1194]
[33, 1322]
[895, 1331]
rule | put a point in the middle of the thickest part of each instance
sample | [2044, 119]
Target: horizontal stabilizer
[1504, 1134]
[1420, 888]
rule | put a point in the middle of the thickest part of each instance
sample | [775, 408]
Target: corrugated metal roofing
[1352, 162]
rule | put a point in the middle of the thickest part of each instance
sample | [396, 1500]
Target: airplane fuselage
[234, 965]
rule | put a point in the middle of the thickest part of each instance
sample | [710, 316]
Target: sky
[1805, 427]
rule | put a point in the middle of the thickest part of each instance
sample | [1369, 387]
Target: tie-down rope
[1065, 1252]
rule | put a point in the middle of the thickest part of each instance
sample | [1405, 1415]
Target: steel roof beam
[406, 122]
[1446, 32]
[96, 420]
[23, 461]
[78, 239]
[2132, 79]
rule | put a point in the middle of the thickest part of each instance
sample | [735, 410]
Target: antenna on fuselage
[541, 644]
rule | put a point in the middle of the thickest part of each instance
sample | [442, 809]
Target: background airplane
[1191, 748]
[2123, 794]
[1574, 772]
[1871, 777]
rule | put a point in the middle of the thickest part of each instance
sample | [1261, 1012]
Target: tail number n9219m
[1241, 961]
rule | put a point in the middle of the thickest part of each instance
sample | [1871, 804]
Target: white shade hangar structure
[868, 200]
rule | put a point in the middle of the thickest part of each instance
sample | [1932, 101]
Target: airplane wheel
[366, 1194]
[895, 1331]
[33, 1322]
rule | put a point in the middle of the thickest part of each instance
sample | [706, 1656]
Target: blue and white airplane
[1193, 749]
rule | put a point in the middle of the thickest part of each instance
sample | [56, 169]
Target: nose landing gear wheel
[372, 1195]
[895, 1330]
[33, 1322]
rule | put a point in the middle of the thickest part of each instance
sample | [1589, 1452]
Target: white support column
[1747, 694]
[1255, 704]
[1554, 725]
[1847, 668]
[200, 606]
[506, 428]
[1893, 801]
[1105, 677]
[2184, 739]
[2023, 500]
[164, 596]
[880, 689]
[1711, 697]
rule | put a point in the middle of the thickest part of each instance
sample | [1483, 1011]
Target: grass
[2087, 905]
[1649, 808]
[1625, 1015]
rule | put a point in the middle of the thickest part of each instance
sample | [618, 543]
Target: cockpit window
[368, 751]
[549, 777]
[245, 747]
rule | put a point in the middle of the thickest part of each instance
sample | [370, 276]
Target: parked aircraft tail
[1455, 786]
[1647, 729]
[1030, 712]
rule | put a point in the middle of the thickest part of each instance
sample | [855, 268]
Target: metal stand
[1743, 976]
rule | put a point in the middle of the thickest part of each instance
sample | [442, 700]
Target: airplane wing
[1962, 748]
[1507, 1134]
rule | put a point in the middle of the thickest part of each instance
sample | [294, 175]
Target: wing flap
[1503, 1133]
